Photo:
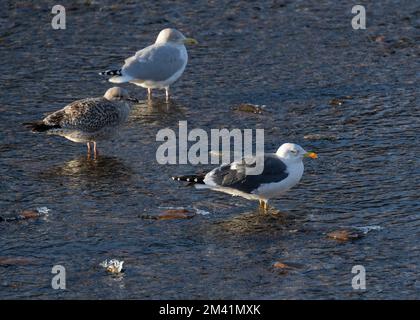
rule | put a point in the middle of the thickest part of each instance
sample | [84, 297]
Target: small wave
[367, 229]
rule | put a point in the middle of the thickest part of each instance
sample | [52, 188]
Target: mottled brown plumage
[88, 120]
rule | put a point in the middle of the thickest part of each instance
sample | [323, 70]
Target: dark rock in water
[29, 214]
[336, 102]
[351, 120]
[284, 268]
[171, 214]
[345, 235]
[403, 43]
[176, 214]
[280, 265]
[176, 211]
[15, 261]
[25, 215]
[339, 101]
[250, 108]
[316, 136]
[379, 39]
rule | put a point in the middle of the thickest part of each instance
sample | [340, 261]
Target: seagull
[282, 171]
[88, 120]
[156, 66]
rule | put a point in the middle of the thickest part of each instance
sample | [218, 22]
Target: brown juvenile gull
[156, 66]
[88, 120]
[282, 171]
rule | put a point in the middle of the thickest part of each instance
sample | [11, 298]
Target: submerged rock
[171, 214]
[280, 265]
[29, 214]
[353, 233]
[345, 235]
[339, 101]
[26, 214]
[284, 268]
[250, 108]
[378, 39]
[176, 214]
[15, 261]
[317, 136]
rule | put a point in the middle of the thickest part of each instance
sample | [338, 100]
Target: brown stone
[339, 101]
[29, 214]
[344, 235]
[284, 268]
[171, 214]
[176, 211]
[379, 39]
[247, 107]
[280, 265]
[336, 102]
[13, 261]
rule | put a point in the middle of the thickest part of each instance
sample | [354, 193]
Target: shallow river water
[294, 57]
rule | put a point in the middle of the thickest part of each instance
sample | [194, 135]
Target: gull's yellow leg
[167, 94]
[88, 150]
[265, 206]
[95, 150]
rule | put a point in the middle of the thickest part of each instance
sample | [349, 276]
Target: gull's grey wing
[154, 63]
[234, 175]
[89, 115]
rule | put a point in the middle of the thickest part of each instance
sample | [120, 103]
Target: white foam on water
[43, 210]
[367, 229]
[113, 265]
[201, 212]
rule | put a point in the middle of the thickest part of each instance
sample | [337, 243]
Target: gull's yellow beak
[190, 41]
[311, 155]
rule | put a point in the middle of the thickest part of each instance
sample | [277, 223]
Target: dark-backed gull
[282, 171]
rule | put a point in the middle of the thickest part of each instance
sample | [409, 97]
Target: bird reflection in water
[103, 168]
[252, 222]
[157, 111]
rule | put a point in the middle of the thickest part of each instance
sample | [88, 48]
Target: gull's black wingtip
[39, 126]
[190, 178]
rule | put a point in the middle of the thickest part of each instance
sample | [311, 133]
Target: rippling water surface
[292, 56]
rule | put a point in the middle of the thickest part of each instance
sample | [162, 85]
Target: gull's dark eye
[293, 151]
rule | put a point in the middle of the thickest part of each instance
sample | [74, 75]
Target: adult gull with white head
[282, 171]
[157, 66]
